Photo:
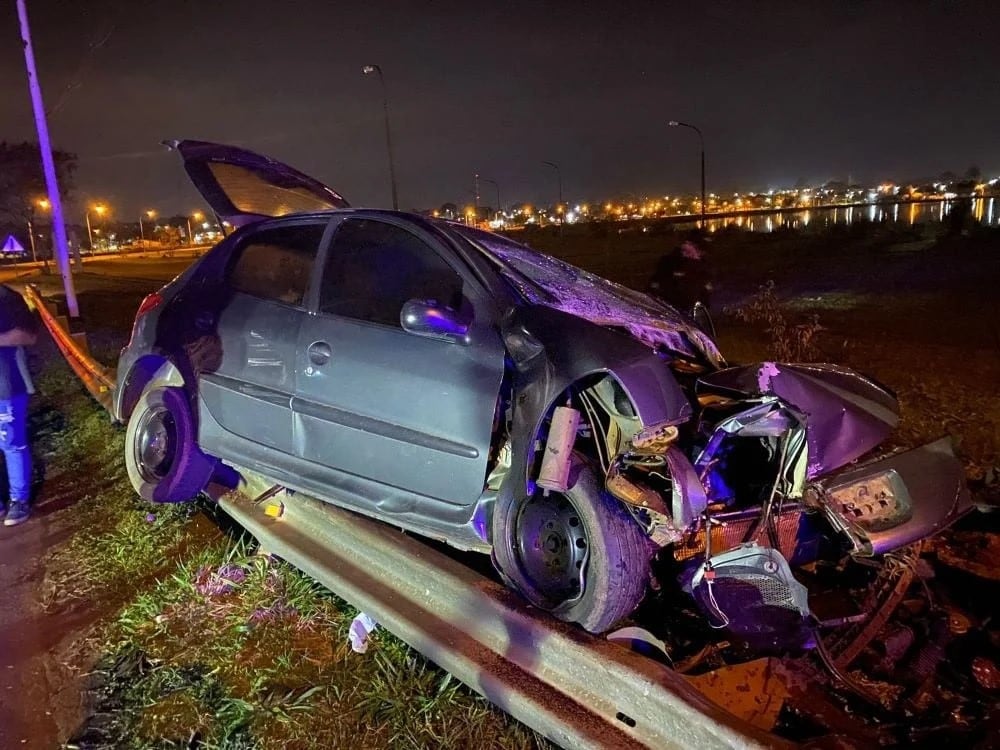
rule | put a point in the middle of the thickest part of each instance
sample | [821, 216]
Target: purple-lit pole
[58, 228]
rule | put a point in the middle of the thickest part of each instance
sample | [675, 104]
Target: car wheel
[163, 460]
[577, 554]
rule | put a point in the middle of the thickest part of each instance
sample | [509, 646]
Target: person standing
[683, 278]
[17, 330]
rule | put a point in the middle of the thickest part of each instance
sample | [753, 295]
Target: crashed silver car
[467, 388]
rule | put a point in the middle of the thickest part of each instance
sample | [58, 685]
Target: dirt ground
[916, 310]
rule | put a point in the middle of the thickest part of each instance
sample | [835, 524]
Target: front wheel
[578, 554]
[162, 456]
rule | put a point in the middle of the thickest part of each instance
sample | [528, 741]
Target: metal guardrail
[578, 690]
[98, 380]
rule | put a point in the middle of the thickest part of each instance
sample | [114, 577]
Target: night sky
[783, 92]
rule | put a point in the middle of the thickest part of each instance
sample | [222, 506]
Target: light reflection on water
[983, 211]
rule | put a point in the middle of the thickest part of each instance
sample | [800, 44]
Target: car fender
[153, 368]
[550, 351]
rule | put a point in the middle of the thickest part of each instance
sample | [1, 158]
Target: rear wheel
[162, 457]
[577, 554]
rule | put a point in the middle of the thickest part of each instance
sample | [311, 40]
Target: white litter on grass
[361, 627]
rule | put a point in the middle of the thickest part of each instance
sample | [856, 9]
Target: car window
[373, 268]
[275, 263]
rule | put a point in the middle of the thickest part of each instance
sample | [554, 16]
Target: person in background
[17, 330]
[683, 278]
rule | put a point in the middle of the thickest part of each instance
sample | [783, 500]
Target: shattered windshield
[544, 280]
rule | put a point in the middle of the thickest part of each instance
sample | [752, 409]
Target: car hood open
[243, 187]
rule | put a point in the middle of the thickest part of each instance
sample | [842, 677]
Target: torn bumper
[900, 499]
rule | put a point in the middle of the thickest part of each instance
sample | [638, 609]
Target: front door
[249, 393]
[379, 402]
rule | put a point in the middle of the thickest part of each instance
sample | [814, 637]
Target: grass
[202, 641]
[241, 650]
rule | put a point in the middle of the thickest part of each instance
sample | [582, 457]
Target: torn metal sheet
[845, 414]
[754, 691]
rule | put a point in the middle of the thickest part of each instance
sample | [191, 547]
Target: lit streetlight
[142, 235]
[701, 139]
[197, 216]
[100, 210]
[368, 70]
[558, 180]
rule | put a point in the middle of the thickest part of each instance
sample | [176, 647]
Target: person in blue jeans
[17, 330]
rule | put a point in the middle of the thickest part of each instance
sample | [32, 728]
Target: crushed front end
[764, 480]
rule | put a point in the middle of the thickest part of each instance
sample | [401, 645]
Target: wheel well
[601, 400]
[150, 369]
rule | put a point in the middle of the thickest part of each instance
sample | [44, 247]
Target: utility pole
[494, 184]
[48, 164]
[558, 180]
[31, 237]
[701, 140]
[476, 194]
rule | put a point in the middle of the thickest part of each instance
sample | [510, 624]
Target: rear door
[378, 402]
[248, 394]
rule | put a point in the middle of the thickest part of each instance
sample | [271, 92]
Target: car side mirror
[430, 318]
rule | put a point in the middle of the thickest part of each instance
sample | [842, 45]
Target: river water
[986, 211]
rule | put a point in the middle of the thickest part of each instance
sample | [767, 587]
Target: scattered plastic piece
[361, 627]
[639, 640]
[150, 517]
[274, 510]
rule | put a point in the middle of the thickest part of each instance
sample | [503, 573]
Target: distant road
[155, 266]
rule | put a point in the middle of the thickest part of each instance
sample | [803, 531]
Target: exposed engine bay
[760, 482]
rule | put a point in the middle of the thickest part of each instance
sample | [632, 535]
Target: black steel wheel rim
[552, 545]
[156, 446]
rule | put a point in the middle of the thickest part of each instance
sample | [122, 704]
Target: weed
[789, 341]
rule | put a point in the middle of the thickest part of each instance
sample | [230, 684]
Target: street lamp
[98, 209]
[494, 184]
[142, 235]
[701, 138]
[197, 216]
[559, 180]
[368, 70]
[42, 203]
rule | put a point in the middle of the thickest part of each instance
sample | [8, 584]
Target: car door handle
[319, 352]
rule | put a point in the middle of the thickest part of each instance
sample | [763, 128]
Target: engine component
[750, 591]
[554, 474]
[629, 492]
[654, 440]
